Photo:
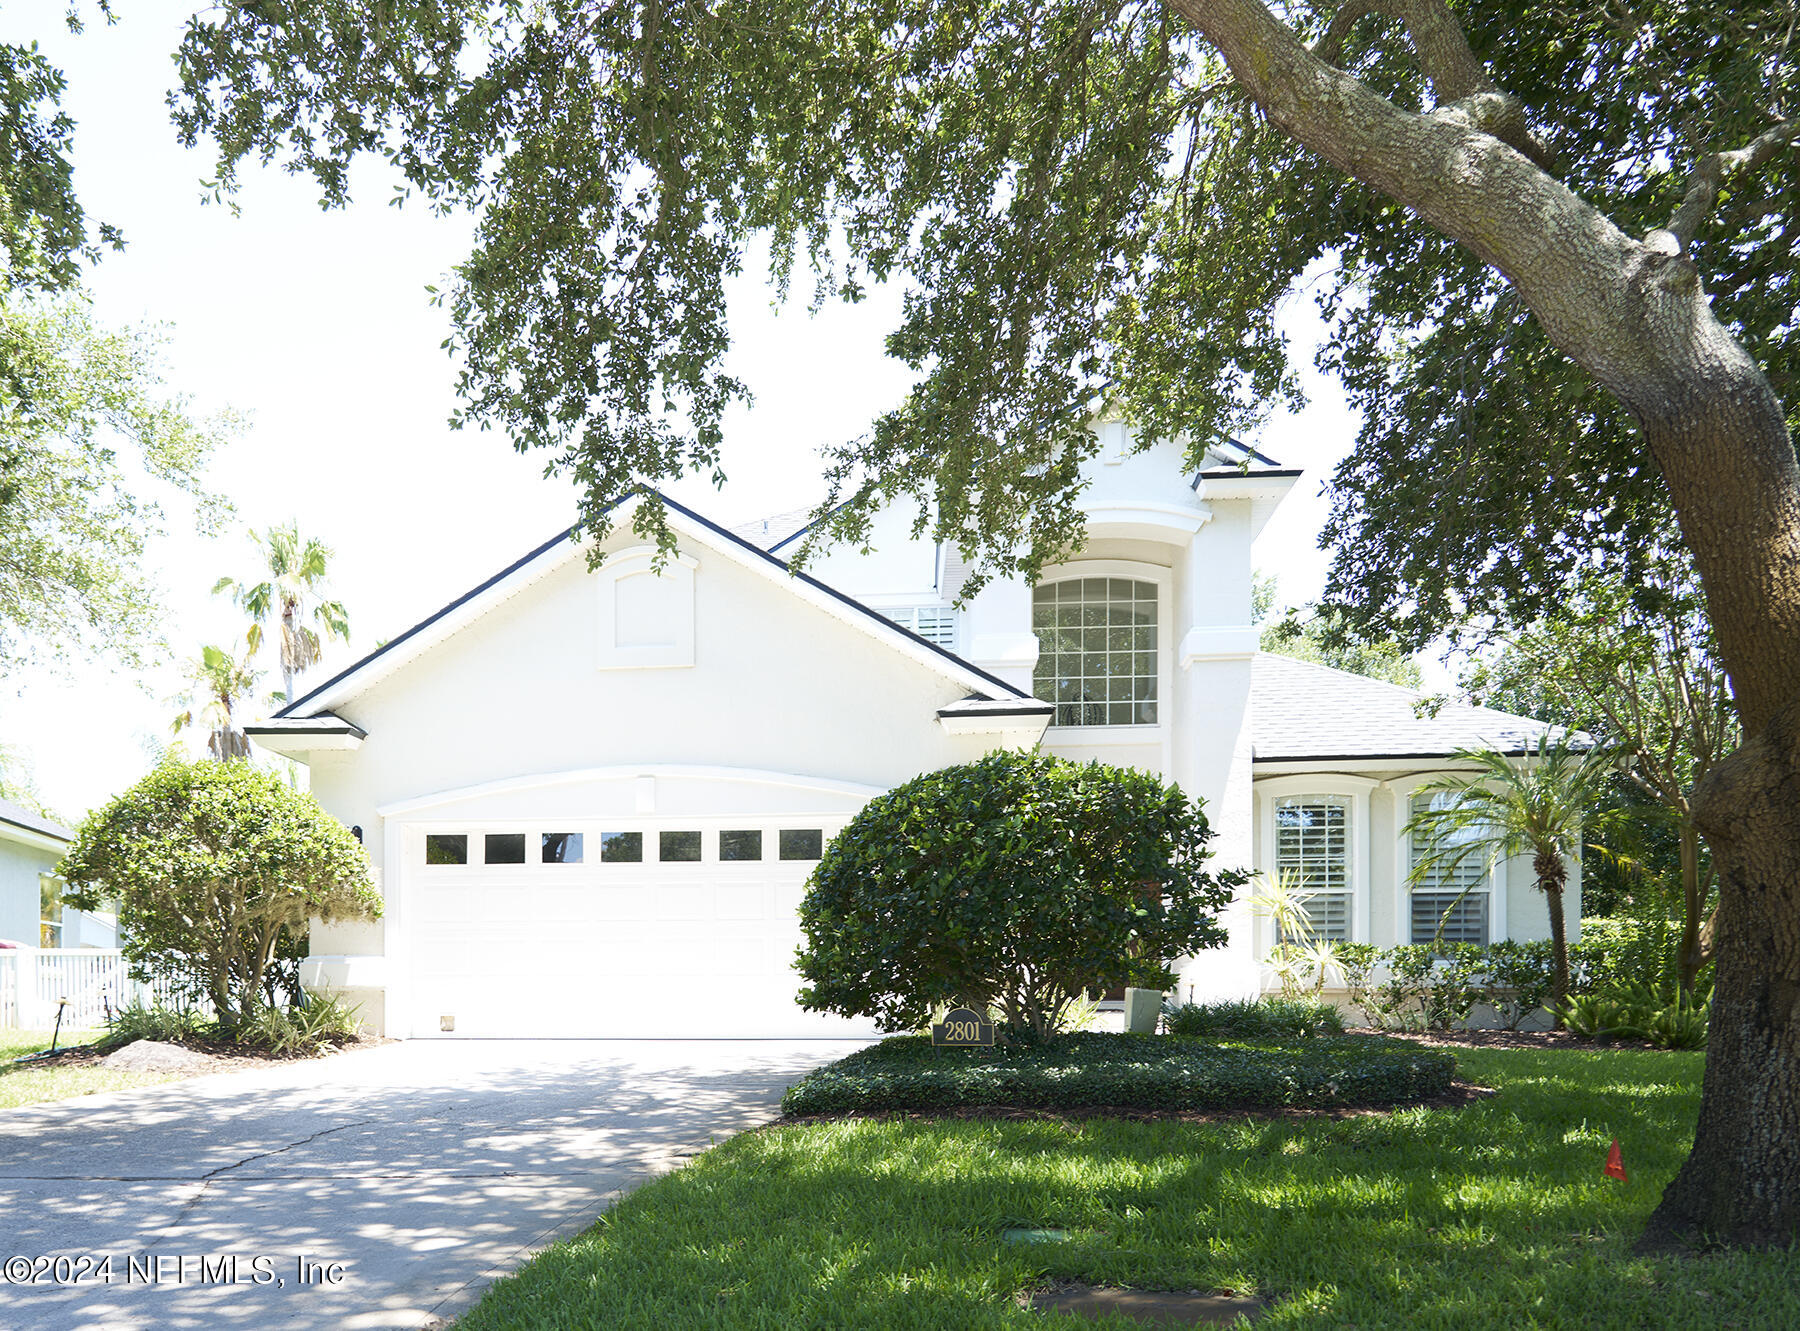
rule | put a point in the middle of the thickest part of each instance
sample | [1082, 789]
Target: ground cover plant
[1090, 1069]
[1492, 1217]
[316, 1026]
[1256, 1019]
[60, 1079]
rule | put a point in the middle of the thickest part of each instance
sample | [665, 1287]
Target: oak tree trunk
[1741, 1184]
[1634, 314]
[1690, 955]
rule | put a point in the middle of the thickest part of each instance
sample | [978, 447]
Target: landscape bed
[1090, 1070]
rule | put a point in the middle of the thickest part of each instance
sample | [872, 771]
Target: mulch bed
[1461, 1095]
[225, 1056]
[1486, 1039]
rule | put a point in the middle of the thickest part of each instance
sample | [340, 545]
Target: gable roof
[1302, 710]
[561, 549]
[17, 818]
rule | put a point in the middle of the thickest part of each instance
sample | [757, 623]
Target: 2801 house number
[962, 1028]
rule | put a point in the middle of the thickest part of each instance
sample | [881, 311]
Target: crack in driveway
[206, 1180]
[264, 1155]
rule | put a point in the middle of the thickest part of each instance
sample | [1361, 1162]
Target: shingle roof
[1302, 710]
[19, 816]
[776, 529]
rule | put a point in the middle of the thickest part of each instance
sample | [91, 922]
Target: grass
[29, 1084]
[1495, 1216]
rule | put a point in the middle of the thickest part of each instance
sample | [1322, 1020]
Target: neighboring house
[594, 797]
[31, 909]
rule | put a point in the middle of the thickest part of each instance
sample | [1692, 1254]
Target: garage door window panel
[678, 847]
[621, 847]
[561, 848]
[503, 848]
[741, 844]
[446, 848]
[801, 843]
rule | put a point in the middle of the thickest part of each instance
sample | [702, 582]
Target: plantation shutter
[1312, 843]
[1442, 888]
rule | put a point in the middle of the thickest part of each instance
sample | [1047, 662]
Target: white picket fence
[34, 979]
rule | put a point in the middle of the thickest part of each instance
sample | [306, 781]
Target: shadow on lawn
[1495, 1215]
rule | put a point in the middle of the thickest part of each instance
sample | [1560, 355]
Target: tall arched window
[1096, 651]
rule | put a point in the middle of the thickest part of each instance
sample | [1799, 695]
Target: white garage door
[616, 928]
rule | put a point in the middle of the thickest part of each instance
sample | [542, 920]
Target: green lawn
[1493, 1216]
[26, 1083]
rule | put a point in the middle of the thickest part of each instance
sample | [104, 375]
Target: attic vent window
[646, 612]
[934, 623]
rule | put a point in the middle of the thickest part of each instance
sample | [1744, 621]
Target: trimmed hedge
[1094, 1069]
[1256, 1019]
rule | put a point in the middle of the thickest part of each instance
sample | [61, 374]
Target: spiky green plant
[1537, 805]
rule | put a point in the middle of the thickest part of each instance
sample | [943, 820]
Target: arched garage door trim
[848, 790]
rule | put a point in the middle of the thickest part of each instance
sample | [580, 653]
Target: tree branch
[1707, 178]
[1443, 51]
[1330, 47]
[1462, 87]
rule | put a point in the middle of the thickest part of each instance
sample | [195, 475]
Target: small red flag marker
[1615, 1163]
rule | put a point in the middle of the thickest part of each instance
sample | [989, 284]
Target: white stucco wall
[1522, 914]
[776, 684]
[19, 903]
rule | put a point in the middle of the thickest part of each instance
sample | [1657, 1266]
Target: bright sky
[317, 327]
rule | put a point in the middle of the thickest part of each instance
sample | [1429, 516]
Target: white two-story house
[593, 797]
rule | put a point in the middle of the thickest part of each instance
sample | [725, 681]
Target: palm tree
[218, 680]
[292, 597]
[1535, 806]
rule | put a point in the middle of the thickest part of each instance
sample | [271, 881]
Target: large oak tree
[1563, 283]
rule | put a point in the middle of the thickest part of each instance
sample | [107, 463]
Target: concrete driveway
[425, 1169]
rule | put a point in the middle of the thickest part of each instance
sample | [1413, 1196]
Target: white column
[1213, 760]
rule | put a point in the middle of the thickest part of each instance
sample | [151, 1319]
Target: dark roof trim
[795, 535]
[1023, 709]
[288, 712]
[341, 727]
[1250, 453]
[566, 534]
[1523, 752]
[850, 601]
[1231, 473]
[39, 826]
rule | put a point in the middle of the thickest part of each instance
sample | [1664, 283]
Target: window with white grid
[934, 623]
[1460, 889]
[1096, 651]
[1312, 848]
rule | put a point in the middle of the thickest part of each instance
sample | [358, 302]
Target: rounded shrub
[1015, 883]
[217, 867]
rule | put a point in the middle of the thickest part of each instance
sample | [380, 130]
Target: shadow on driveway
[424, 1168]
